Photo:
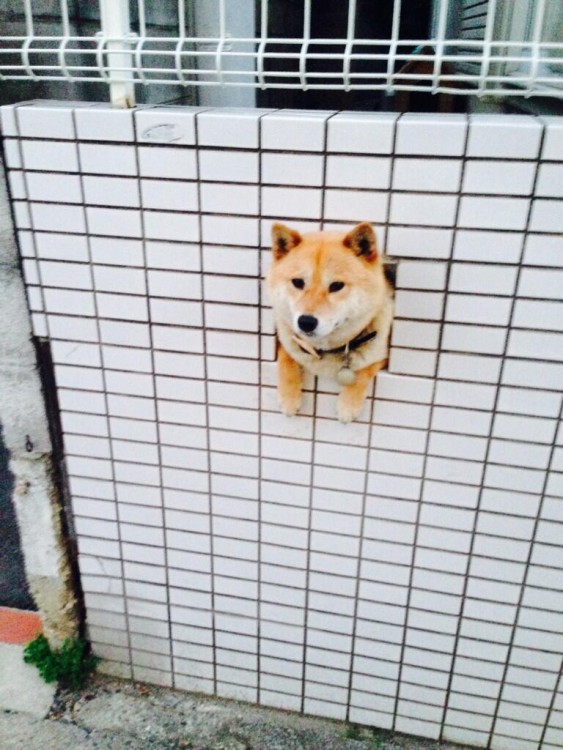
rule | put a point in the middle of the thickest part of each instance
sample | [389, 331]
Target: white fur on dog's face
[317, 262]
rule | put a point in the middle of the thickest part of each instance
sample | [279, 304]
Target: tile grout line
[425, 455]
[106, 401]
[207, 411]
[528, 563]
[312, 465]
[494, 411]
[552, 706]
[371, 427]
[260, 436]
[135, 144]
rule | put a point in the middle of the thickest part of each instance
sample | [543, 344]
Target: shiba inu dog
[333, 309]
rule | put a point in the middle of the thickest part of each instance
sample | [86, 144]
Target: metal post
[116, 30]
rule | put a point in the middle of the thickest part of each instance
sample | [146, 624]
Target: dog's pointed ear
[362, 241]
[284, 239]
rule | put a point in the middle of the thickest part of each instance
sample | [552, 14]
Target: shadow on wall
[13, 585]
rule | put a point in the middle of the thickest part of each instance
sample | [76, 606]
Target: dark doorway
[329, 20]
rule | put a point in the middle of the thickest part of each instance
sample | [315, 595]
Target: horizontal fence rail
[483, 47]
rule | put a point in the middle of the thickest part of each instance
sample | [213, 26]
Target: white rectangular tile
[431, 135]
[69, 301]
[421, 275]
[170, 196]
[467, 421]
[419, 305]
[292, 169]
[358, 172]
[103, 123]
[541, 284]
[294, 130]
[161, 225]
[462, 338]
[355, 206]
[423, 209]
[400, 388]
[361, 132]
[229, 199]
[12, 153]
[465, 308]
[535, 345]
[49, 156]
[63, 218]
[487, 247]
[410, 242]
[546, 216]
[48, 187]
[513, 136]
[120, 306]
[411, 333]
[109, 279]
[543, 250]
[172, 163]
[67, 275]
[485, 212]
[228, 166]
[415, 362]
[467, 366]
[166, 124]
[234, 128]
[296, 202]
[118, 222]
[177, 286]
[423, 175]
[499, 177]
[110, 160]
[229, 230]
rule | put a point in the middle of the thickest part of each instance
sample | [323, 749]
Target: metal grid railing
[483, 47]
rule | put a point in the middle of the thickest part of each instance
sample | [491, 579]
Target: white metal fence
[494, 47]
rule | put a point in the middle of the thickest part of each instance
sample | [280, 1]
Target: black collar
[351, 346]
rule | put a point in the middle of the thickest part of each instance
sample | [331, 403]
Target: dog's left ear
[362, 241]
[284, 239]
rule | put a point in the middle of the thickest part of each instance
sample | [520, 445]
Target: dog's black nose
[307, 323]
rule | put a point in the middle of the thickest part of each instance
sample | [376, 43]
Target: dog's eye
[298, 283]
[336, 286]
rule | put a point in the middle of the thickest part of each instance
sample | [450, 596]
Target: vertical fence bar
[439, 49]
[180, 43]
[305, 44]
[263, 42]
[539, 13]
[29, 32]
[350, 38]
[116, 28]
[222, 40]
[486, 55]
[395, 29]
[66, 34]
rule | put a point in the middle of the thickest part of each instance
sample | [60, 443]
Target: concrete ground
[114, 715]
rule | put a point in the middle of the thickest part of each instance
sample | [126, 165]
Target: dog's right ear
[284, 239]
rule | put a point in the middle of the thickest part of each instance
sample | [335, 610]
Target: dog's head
[326, 284]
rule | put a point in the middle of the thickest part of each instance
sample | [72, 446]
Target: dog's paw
[347, 411]
[289, 404]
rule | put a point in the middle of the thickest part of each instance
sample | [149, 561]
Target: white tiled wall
[404, 571]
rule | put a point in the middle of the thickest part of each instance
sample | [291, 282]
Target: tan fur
[364, 304]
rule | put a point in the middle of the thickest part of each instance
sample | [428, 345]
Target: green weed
[70, 665]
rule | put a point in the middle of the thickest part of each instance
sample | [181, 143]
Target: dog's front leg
[290, 379]
[352, 397]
